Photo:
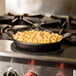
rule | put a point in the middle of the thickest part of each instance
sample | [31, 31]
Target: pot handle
[7, 33]
[66, 35]
[7, 36]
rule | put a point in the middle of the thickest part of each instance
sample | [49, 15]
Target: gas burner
[19, 22]
[16, 49]
[26, 19]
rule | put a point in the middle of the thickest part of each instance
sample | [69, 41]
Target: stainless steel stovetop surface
[68, 55]
[22, 70]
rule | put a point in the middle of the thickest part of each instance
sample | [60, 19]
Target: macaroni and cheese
[37, 37]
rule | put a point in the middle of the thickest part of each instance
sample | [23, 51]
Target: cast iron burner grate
[49, 22]
[16, 49]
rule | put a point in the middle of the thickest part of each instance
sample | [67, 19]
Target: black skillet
[47, 47]
[36, 47]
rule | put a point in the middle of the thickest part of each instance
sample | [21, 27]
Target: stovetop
[65, 55]
[68, 55]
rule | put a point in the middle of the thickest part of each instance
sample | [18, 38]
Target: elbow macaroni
[37, 37]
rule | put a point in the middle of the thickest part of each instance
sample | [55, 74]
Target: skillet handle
[66, 35]
[7, 34]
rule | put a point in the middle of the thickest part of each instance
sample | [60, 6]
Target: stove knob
[10, 73]
[30, 74]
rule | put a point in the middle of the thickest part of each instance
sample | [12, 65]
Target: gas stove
[48, 22]
[39, 62]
